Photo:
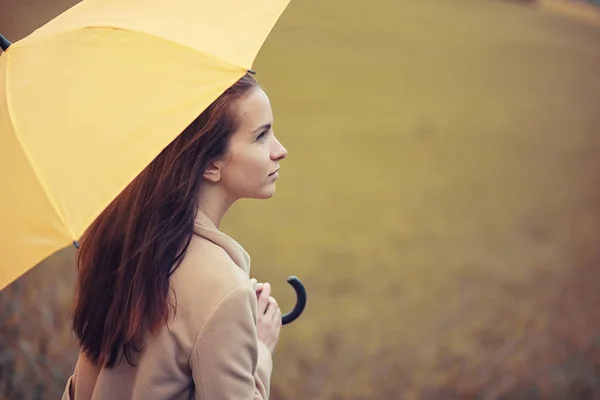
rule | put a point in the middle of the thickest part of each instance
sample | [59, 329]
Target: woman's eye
[261, 136]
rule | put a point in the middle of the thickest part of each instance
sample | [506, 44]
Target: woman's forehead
[254, 110]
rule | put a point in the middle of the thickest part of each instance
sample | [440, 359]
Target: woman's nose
[280, 152]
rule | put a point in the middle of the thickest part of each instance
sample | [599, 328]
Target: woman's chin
[267, 192]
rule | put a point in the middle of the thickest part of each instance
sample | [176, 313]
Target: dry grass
[37, 347]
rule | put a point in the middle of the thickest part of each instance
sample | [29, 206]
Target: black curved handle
[300, 301]
[4, 43]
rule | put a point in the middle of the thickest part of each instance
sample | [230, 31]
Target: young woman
[164, 305]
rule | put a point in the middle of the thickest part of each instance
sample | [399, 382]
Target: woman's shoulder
[206, 261]
[206, 275]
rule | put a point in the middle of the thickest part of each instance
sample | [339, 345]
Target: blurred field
[440, 202]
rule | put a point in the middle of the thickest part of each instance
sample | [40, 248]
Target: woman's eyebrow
[262, 128]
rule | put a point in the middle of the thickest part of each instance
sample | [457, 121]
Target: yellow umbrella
[90, 98]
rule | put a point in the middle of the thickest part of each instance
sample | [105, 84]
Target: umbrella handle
[4, 43]
[300, 301]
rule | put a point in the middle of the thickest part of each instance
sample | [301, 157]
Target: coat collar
[204, 227]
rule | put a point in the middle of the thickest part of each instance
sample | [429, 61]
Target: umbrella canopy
[91, 98]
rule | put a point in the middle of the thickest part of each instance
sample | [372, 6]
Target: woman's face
[250, 167]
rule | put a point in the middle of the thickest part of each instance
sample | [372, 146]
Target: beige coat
[209, 351]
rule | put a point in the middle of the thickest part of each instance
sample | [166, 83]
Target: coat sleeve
[68, 393]
[228, 362]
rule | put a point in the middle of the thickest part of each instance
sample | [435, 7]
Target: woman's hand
[269, 317]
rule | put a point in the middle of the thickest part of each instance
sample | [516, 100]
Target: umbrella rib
[115, 28]
[26, 152]
[166, 40]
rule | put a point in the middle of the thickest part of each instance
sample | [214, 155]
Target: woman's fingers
[268, 324]
[273, 309]
[267, 304]
[277, 314]
[263, 298]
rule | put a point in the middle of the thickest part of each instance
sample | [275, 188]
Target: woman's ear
[213, 172]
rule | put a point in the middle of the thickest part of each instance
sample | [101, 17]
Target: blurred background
[440, 201]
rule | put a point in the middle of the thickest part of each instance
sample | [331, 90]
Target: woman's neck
[213, 203]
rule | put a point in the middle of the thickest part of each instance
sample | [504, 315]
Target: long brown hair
[127, 255]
